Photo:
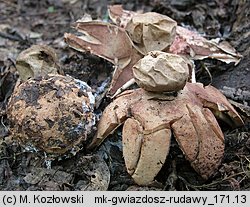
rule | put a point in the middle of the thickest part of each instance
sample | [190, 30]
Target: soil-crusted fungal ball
[53, 114]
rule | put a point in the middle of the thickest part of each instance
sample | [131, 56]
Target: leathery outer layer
[149, 118]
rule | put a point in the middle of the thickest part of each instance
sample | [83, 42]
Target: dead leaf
[38, 60]
[49, 179]
[95, 171]
[244, 109]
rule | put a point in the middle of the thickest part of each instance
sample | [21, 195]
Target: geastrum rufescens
[53, 114]
[150, 116]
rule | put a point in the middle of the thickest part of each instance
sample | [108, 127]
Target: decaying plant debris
[38, 60]
[104, 168]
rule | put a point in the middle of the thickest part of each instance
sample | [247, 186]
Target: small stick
[124, 87]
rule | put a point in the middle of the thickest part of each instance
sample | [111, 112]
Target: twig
[125, 86]
[208, 72]
[217, 182]
[10, 37]
[5, 127]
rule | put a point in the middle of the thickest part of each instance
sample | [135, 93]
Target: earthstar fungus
[53, 114]
[150, 118]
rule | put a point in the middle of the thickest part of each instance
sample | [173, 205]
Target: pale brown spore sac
[162, 72]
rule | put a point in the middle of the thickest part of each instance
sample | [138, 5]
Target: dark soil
[25, 22]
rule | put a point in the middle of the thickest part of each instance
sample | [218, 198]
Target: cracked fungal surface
[52, 113]
[150, 119]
